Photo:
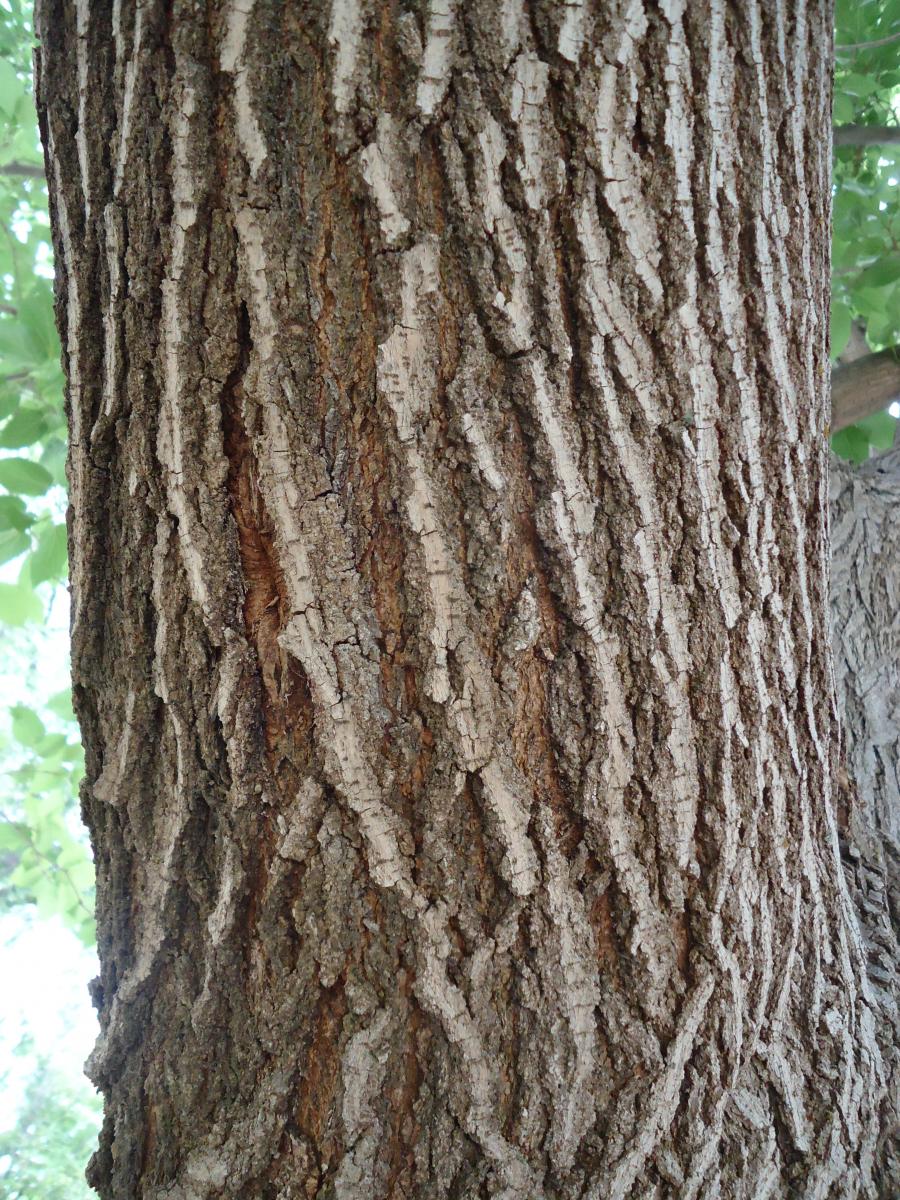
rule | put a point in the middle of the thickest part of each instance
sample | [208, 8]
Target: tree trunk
[865, 514]
[449, 550]
[865, 590]
[865, 605]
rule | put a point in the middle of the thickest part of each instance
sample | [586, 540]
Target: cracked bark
[447, 391]
[865, 503]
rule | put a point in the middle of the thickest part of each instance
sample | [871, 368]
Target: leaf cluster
[43, 857]
[43, 1156]
[866, 199]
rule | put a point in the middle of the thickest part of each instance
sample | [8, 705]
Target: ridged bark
[865, 587]
[865, 517]
[447, 391]
[865, 599]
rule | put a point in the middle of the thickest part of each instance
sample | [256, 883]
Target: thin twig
[854, 46]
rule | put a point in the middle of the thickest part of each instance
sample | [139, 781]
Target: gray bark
[866, 632]
[865, 607]
[447, 394]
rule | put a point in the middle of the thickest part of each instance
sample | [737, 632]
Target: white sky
[43, 994]
[44, 967]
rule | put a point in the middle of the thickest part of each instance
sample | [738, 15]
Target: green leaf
[36, 319]
[9, 400]
[844, 109]
[47, 895]
[879, 429]
[14, 514]
[43, 803]
[41, 808]
[882, 273]
[19, 604]
[16, 352]
[54, 459]
[12, 89]
[60, 704]
[48, 560]
[74, 754]
[25, 428]
[13, 836]
[51, 745]
[47, 379]
[28, 872]
[851, 443]
[882, 328]
[24, 477]
[858, 85]
[841, 323]
[27, 727]
[72, 855]
[12, 544]
[82, 875]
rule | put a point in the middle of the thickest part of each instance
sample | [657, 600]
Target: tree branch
[854, 46]
[866, 135]
[857, 346]
[23, 170]
[864, 387]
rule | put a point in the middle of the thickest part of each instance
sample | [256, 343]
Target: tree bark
[865, 386]
[447, 391]
[866, 621]
[865, 581]
[865, 522]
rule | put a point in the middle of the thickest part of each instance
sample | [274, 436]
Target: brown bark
[447, 398]
[863, 387]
